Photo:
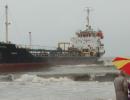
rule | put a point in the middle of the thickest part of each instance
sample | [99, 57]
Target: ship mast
[88, 15]
[6, 22]
[30, 40]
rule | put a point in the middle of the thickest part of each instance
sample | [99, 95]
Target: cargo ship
[85, 48]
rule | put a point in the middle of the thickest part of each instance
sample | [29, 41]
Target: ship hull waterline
[72, 60]
[50, 62]
[21, 67]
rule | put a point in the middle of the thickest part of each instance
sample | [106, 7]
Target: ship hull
[46, 63]
[72, 60]
[13, 59]
[22, 67]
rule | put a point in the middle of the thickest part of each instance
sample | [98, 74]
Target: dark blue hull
[13, 59]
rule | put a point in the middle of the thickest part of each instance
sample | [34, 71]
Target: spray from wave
[107, 61]
[36, 79]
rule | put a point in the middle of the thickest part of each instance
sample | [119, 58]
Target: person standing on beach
[121, 86]
[128, 90]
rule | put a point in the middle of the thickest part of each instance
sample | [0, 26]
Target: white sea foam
[85, 65]
[35, 78]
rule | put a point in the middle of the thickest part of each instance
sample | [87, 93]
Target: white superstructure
[89, 39]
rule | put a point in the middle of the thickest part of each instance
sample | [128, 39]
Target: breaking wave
[85, 65]
[101, 77]
[36, 79]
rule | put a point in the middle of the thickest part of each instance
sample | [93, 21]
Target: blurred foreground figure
[121, 86]
[129, 90]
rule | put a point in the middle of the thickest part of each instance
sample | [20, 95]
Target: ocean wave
[107, 61]
[36, 79]
[86, 65]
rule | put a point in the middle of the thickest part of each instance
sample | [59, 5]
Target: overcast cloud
[51, 21]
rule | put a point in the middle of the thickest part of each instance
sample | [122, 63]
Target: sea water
[34, 88]
[57, 84]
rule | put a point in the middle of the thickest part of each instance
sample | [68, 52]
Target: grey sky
[51, 21]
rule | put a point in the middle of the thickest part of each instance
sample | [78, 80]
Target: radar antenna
[88, 9]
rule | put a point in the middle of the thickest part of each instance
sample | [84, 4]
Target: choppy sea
[77, 82]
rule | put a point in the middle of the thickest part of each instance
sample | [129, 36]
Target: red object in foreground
[126, 68]
[122, 64]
